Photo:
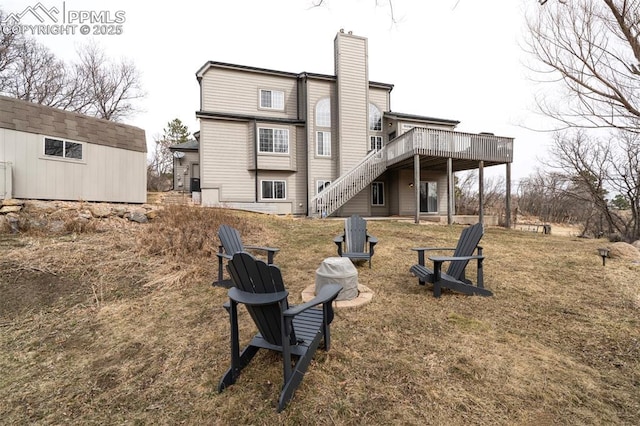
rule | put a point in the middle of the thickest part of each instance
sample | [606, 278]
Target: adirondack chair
[454, 278]
[295, 331]
[231, 243]
[351, 243]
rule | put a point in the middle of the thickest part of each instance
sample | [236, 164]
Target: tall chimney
[352, 76]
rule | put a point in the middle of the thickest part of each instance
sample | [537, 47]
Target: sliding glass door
[428, 197]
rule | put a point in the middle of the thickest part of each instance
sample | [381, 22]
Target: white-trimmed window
[323, 144]
[377, 193]
[323, 113]
[376, 143]
[63, 149]
[273, 140]
[274, 189]
[271, 99]
[375, 118]
[321, 185]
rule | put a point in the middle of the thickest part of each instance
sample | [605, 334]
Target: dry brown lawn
[123, 327]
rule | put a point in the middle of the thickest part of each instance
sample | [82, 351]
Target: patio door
[428, 197]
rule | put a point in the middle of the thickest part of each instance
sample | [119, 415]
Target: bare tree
[111, 88]
[93, 85]
[590, 47]
[596, 167]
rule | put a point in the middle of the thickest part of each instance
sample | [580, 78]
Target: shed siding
[106, 173]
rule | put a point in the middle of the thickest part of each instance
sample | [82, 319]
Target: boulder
[624, 251]
[12, 202]
[10, 209]
[138, 217]
[100, 210]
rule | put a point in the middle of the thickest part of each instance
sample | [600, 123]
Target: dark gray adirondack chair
[231, 243]
[454, 278]
[352, 242]
[295, 331]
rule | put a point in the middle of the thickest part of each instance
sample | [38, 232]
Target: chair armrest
[256, 299]
[372, 239]
[452, 258]
[432, 248]
[326, 295]
[223, 256]
[271, 249]
[338, 239]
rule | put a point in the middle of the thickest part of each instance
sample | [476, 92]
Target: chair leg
[297, 374]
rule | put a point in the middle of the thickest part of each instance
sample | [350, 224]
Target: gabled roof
[421, 118]
[190, 145]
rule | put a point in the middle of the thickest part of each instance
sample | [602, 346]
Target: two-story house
[320, 145]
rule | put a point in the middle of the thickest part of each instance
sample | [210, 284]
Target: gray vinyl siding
[106, 173]
[272, 160]
[352, 85]
[360, 204]
[221, 166]
[380, 98]
[321, 167]
[182, 180]
[406, 194]
[237, 92]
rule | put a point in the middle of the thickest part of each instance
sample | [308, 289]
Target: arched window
[323, 113]
[375, 118]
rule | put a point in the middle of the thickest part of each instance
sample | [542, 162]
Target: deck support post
[481, 191]
[450, 191]
[416, 185]
[507, 216]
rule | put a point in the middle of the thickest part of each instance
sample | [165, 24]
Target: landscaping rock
[624, 251]
[100, 210]
[636, 244]
[10, 209]
[12, 202]
[152, 214]
[12, 220]
[4, 225]
[138, 217]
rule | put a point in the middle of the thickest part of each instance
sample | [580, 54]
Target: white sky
[450, 61]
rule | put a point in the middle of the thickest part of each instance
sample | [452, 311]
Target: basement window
[63, 149]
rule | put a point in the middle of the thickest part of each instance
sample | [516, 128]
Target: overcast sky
[453, 59]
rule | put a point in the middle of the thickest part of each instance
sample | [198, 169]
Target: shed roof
[23, 116]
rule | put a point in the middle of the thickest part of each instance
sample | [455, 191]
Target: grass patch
[127, 329]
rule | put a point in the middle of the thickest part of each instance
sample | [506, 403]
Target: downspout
[302, 115]
[255, 158]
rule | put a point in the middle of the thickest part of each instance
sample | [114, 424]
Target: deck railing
[346, 186]
[449, 144]
[422, 141]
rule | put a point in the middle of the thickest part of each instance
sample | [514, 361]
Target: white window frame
[326, 143]
[377, 142]
[274, 131]
[380, 191]
[321, 184]
[273, 191]
[323, 112]
[377, 125]
[64, 155]
[276, 99]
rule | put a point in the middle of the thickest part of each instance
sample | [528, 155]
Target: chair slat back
[230, 240]
[469, 240]
[255, 276]
[355, 234]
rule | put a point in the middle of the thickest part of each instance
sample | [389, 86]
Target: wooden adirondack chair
[354, 238]
[294, 331]
[454, 278]
[230, 244]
